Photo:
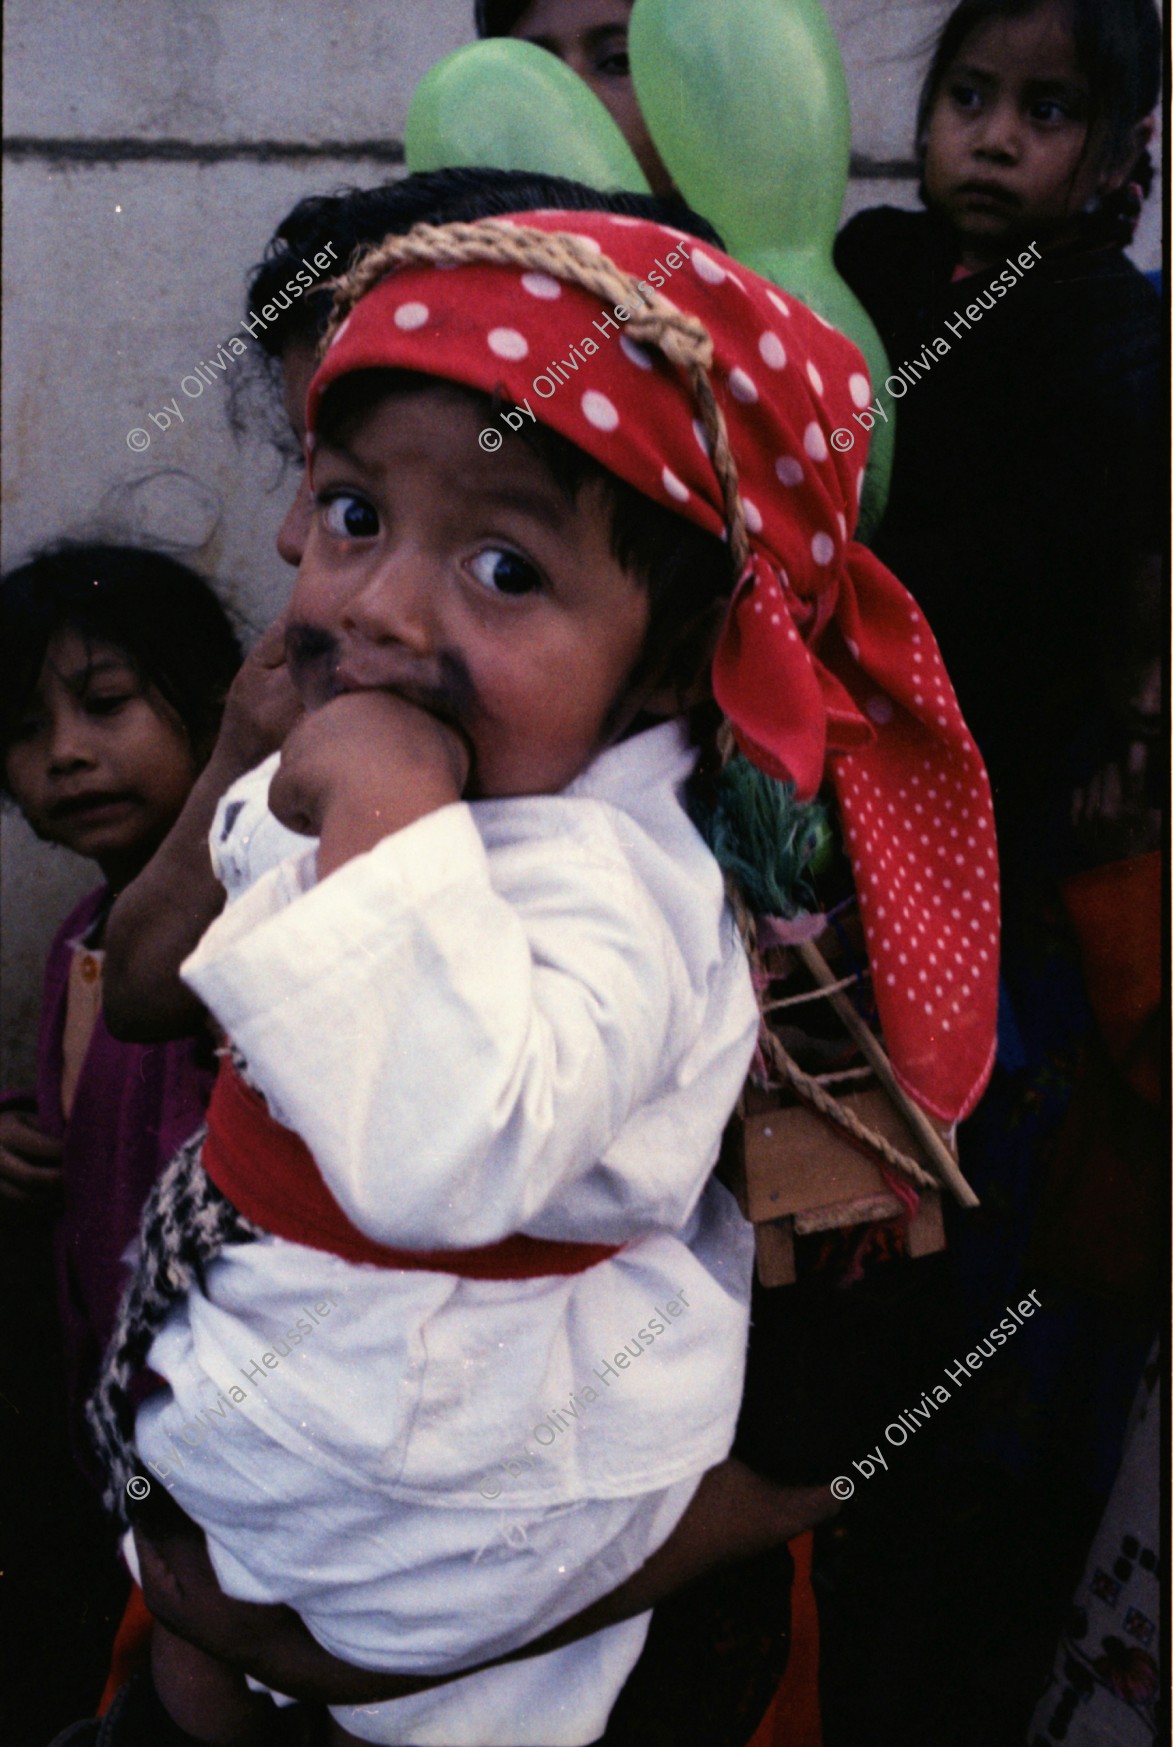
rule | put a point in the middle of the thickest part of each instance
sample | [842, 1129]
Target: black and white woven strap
[186, 1223]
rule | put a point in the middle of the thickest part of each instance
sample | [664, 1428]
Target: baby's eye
[504, 572]
[1049, 110]
[348, 516]
[965, 96]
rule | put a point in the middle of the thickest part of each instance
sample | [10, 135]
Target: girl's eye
[107, 703]
[504, 572]
[350, 517]
[1049, 111]
[965, 96]
[614, 64]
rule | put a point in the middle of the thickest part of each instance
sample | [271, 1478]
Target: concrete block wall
[151, 147]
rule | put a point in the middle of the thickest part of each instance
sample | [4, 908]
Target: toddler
[488, 1027]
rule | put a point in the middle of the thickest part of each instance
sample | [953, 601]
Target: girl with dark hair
[1026, 510]
[1018, 330]
[116, 661]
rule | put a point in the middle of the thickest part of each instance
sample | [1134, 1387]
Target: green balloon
[747, 104]
[507, 105]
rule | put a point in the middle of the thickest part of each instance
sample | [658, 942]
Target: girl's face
[468, 584]
[1008, 158]
[99, 762]
[591, 37]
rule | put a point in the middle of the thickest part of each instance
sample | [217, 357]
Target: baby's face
[467, 583]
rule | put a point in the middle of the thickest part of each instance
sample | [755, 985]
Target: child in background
[1026, 504]
[451, 984]
[116, 661]
[1026, 494]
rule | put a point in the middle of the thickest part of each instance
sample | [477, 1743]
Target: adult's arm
[734, 1514]
[159, 919]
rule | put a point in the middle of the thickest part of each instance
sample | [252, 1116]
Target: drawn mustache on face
[323, 668]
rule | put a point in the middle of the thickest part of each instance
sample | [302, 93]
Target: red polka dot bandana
[826, 666]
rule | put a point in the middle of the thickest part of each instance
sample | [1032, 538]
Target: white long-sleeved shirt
[520, 1016]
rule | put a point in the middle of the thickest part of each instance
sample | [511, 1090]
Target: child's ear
[685, 678]
[1122, 165]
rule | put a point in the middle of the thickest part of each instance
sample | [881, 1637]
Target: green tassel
[766, 840]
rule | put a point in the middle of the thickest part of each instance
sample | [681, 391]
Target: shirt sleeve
[452, 1058]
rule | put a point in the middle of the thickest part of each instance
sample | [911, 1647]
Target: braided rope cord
[804, 1085]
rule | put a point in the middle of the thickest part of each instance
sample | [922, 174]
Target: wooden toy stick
[938, 1152]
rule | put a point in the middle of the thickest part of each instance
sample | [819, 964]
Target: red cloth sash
[269, 1175]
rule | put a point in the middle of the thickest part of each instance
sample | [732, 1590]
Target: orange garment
[83, 1003]
[1116, 913]
[794, 1718]
[132, 1647]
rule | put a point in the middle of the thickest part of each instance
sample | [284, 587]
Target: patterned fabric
[1107, 1679]
[825, 665]
[186, 1223]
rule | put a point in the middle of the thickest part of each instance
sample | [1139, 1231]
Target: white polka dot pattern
[815, 443]
[541, 285]
[638, 354]
[772, 350]
[508, 343]
[707, 268]
[599, 410]
[742, 386]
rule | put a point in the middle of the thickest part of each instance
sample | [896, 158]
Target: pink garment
[134, 1105]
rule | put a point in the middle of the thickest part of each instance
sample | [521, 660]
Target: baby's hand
[366, 764]
[30, 1163]
[262, 705]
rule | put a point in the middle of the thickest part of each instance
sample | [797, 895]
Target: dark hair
[161, 615]
[356, 217]
[684, 568]
[498, 17]
[1118, 48]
